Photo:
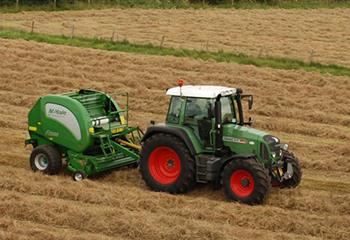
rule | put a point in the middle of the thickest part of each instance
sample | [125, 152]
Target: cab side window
[174, 110]
[227, 110]
[197, 109]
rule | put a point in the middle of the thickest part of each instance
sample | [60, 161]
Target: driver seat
[204, 127]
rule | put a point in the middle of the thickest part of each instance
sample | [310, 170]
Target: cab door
[198, 117]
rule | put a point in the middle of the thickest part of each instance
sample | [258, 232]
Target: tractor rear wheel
[297, 173]
[166, 164]
[46, 159]
[246, 181]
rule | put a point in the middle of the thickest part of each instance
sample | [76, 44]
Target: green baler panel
[62, 120]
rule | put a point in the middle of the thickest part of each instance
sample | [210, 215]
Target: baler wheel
[246, 181]
[297, 173]
[166, 164]
[46, 159]
[79, 176]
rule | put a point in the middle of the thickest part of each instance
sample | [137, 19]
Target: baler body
[88, 128]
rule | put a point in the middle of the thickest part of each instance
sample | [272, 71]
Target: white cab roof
[201, 91]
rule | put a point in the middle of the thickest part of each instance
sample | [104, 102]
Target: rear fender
[178, 132]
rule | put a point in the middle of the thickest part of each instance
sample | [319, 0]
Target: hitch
[289, 173]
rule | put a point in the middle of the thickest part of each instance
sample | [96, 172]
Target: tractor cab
[207, 109]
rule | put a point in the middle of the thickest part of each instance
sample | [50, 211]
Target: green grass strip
[178, 4]
[149, 49]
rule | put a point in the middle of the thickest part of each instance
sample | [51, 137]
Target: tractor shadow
[130, 177]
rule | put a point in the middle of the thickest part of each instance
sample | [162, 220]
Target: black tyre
[46, 159]
[297, 173]
[246, 181]
[134, 165]
[166, 164]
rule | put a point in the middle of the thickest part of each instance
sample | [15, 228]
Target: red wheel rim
[242, 183]
[164, 165]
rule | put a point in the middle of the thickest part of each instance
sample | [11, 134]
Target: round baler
[86, 128]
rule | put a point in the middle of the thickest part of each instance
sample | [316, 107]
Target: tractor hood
[246, 140]
[243, 133]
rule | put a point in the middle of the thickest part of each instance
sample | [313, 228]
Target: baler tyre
[79, 176]
[46, 159]
[246, 181]
[166, 164]
[297, 173]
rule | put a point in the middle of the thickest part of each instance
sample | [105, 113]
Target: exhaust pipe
[218, 126]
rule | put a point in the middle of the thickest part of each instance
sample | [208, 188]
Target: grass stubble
[307, 110]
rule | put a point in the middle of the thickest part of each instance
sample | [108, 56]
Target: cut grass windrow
[149, 49]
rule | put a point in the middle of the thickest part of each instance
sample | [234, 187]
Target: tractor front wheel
[246, 181]
[46, 159]
[166, 164]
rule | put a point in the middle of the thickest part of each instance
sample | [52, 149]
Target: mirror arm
[250, 122]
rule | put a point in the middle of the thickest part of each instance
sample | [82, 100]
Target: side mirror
[249, 99]
[250, 102]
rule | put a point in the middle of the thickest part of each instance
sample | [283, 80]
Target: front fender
[216, 167]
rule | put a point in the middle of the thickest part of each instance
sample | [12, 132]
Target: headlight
[271, 140]
[285, 147]
[273, 154]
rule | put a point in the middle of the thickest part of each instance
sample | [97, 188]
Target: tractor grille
[275, 148]
[264, 151]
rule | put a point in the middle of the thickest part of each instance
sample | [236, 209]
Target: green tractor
[87, 130]
[205, 139]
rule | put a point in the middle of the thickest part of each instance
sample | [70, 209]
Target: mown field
[309, 111]
[320, 35]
